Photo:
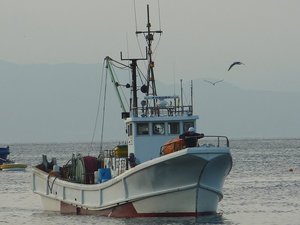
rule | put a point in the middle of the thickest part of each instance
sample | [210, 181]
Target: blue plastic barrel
[104, 174]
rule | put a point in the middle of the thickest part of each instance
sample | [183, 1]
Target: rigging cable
[135, 15]
[156, 46]
[159, 14]
[124, 66]
[113, 78]
[136, 29]
[141, 74]
[98, 107]
[141, 52]
[157, 43]
[159, 22]
[103, 112]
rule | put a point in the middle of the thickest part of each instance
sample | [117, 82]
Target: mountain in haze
[58, 103]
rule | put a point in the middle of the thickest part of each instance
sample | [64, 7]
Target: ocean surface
[262, 188]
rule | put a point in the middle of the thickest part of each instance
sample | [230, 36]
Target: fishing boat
[155, 174]
[4, 152]
[13, 166]
[7, 164]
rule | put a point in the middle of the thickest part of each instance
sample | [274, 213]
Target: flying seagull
[235, 63]
[213, 82]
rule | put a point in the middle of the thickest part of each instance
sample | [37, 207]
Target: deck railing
[214, 140]
[203, 141]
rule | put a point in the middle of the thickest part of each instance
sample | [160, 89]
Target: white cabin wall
[147, 147]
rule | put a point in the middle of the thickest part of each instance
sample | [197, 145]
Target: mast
[149, 35]
[133, 65]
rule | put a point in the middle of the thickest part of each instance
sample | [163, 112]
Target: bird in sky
[235, 63]
[213, 82]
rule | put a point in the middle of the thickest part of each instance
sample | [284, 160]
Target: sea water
[262, 188]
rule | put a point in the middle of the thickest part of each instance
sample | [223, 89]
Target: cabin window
[173, 128]
[187, 125]
[129, 129]
[142, 128]
[158, 128]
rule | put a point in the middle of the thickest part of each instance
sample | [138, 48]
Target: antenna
[174, 78]
[181, 96]
[149, 34]
[192, 97]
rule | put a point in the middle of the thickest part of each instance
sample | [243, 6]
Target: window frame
[163, 132]
[142, 129]
[170, 129]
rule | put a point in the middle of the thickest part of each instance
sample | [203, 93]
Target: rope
[48, 182]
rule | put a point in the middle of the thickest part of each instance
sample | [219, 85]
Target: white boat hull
[184, 183]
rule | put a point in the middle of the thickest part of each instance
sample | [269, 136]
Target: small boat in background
[12, 166]
[4, 152]
[7, 164]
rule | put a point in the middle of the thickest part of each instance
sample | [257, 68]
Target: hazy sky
[201, 37]
[49, 90]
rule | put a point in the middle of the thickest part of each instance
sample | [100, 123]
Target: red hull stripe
[124, 211]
